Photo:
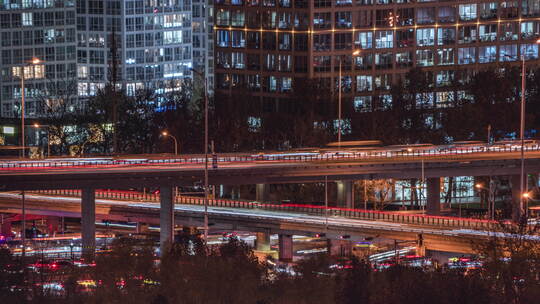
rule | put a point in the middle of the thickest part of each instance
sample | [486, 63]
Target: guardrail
[301, 157]
[362, 214]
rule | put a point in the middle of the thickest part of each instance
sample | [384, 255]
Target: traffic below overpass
[343, 166]
[438, 233]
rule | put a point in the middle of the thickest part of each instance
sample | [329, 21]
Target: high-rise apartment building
[263, 45]
[203, 39]
[42, 29]
[74, 39]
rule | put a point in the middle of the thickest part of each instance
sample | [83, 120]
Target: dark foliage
[190, 272]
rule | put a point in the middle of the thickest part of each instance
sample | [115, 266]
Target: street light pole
[488, 134]
[21, 75]
[202, 75]
[326, 202]
[339, 104]
[522, 187]
[23, 233]
[205, 159]
[522, 207]
[22, 112]
[165, 133]
[37, 126]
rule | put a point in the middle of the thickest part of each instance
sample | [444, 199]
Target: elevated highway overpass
[166, 173]
[438, 233]
[261, 169]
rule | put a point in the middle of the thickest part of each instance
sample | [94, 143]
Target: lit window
[364, 40]
[508, 52]
[425, 37]
[467, 12]
[530, 51]
[424, 57]
[82, 72]
[9, 130]
[445, 56]
[467, 55]
[39, 71]
[364, 83]
[27, 19]
[362, 103]
[384, 39]
[82, 89]
[487, 54]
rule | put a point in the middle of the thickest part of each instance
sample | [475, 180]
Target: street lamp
[355, 53]
[522, 186]
[165, 134]
[34, 61]
[202, 75]
[490, 196]
[37, 126]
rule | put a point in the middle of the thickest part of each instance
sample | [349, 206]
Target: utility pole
[523, 180]
[489, 134]
[326, 202]
[205, 159]
[339, 104]
[22, 112]
[203, 76]
[23, 230]
[365, 194]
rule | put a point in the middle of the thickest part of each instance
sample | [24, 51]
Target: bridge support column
[262, 243]
[261, 192]
[166, 218]
[515, 181]
[345, 194]
[52, 225]
[420, 246]
[433, 196]
[225, 191]
[285, 247]
[339, 248]
[88, 222]
[141, 227]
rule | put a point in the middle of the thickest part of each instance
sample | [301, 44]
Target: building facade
[263, 45]
[203, 39]
[75, 39]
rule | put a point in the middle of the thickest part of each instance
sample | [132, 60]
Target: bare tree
[380, 192]
[58, 103]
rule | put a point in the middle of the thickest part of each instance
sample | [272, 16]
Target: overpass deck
[250, 170]
[439, 233]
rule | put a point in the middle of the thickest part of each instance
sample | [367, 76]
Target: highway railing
[361, 214]
[286, 157]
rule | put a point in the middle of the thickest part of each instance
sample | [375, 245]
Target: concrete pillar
[261, 191]
[262, 241]
[88, 222]
[340, 248]
[225, 191]
[141, 228]
[285, 247]
[345, 194]
[166, 218]
[433, 196]
[52, 225]
[420, 249]
[515, 181]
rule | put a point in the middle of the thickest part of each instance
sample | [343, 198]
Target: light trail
[337, 223]
[382, 153]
